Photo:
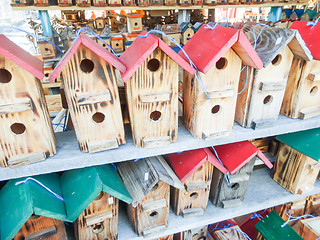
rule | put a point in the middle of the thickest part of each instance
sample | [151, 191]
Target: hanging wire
[292, 219]
[226, 176]
[257, 215]
[313, 24]
[229, 226]
[216, 24]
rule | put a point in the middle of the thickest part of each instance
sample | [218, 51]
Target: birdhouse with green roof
[30, 211]
[297, 163]
[92, 201]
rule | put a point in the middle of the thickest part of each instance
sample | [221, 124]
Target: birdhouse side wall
[26, 132]
[93, 101]
[302, 95]
[187, 35]
[152, 98]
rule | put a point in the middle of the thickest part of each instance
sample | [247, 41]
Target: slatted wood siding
[147, 132]
[22, 101]
[196, 198]
[93, 136]
[222, 85]
[295, 171]
[99, 220]
[302, 95]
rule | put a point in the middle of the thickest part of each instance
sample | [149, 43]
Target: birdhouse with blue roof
[26, 132]
[297, 164]
[92, 201]
[90, 86]
[209, 98]
[30, 211]
[187, 31]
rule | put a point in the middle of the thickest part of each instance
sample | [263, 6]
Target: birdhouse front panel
[143, 3]
[193, 199]
[186, 35]
[134, 23]
[103, 44]
[83, 3]
[26, 131]
[100, 3]
[209, 118]
[302, 98]
[93, 99]
[260, 102]
[152, 95]
[156, 2]
[192, 234]
[129, 3]
[41, 3]
[64, 3]
[99, 220]
[39, 227]
[117, 44]
[47, 50]
[115, 3]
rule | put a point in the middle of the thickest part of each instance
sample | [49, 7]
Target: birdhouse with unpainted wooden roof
[148, 182]
[187, 31]
[100, 3]
[89, 81]
[302, 95]
[30, 211]
[64, 3]
[259, 103]
[209, 99]
[199, 233]
[297, 163]
[134, 23]
[92, 201]
[26, 131]
[173, 31]
[152, 90]
[238, 160]
[83, 3]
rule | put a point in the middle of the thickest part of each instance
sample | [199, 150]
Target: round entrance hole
[117, 44]
[188, 34]
[5, 76]
[154, 214]
[234, 186]
[314, 90]
[193, 195]
[86, 66]
[268, 99]
[155, 116]
[216, 109]
[46, 49]
[99, 196]
[98, 117]
[46, 75]
[153, 65]
[222, 63]
[277, 60]
[104, 45]
[136, 24]
[18, 128]
[155, 187]
[98, 229]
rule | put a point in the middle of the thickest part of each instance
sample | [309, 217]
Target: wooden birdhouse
[129, 3]
[47, 50]
[40, 3]
[152, 90]
[26, 132]
[172, 30]
[193, 234]
[134, 23]
[20, 3]
[148, 182]
[64, 3]
[310, 228]
[156, 2]
[100, 3]
[194, 169]
[99, 23]
[129, 37]
[29, 211]
[83, 3]
[218, 58]
[297, 163]
[92, 201]
[238, 160]
[302, 95]
[232, 232]
[47, 72]
[259, 103]
[106, 39]
[170, 2]
[115, 3]
[117, 43]
[169, 237]
[185, 3]
[92, 94]
[143, 3]
[187, 31]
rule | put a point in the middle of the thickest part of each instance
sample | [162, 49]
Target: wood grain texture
[105, 229]
[169, 237]
[309, 228]
[77, 82]
[229, 233]
[182, 199]
[192, 234]
[38, 136]
[197, 109]
[295, 171]
[47, 50]
[144, 81]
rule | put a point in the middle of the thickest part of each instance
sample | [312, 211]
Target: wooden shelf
[262, 193]
[69, 156]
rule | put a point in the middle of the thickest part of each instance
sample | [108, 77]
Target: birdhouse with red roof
[218, 54]
[237, 161]
[194, 169]
[64, 3]
[302, 95]
[83, 3]
[89, 81]
[262, 90]
[152, 90]
[26, 131]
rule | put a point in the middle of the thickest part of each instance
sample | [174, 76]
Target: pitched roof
[19, 202]
[22, 58]
[186, 25]
[81, 186]
[310, 36]
[207, 46]
[94, 47]
[140, 50]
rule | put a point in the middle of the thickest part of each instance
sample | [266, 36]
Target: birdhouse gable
[92, 46]
[141, 49]
[22, 58]
[185, 25]
[215, 43]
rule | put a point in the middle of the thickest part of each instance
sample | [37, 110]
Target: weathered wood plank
[26, 159]
[229, 233]
[101, 146]
[45, 233]
[21, 106]
[92, 98]
[155, 97]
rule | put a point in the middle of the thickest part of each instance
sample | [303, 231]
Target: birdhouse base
[102, 146]
[152, 231]
[192, 212]
[64, 4]
[26, 159]
[232, 203]
[263, 123]
[41, 4]
[156, 142]
[309, 113]
[208, 135]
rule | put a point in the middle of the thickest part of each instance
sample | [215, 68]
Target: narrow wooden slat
[51, 84]
[98, 217]
[208, 135]
[153, 230]
[272, 86]
[239, 178]
[314, 77]
[42, 234]
[101, 146]
[26, 159]
[153, 205]
[196, 186]
[309, 113]
[156, 142]
[232, 203]
[221, 93]
[156, 97]
[92, 98]
[192, 212]
[22, 106]
[263, 123]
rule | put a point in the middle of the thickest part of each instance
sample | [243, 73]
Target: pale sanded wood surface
[229, 233]
[310, 228]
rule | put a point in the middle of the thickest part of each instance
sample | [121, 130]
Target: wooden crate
[309, 228]
[47, 50]
[83, 3]
[187, 31]
[213, 117]
[92, 105]
[192, 234]
[152, 91]
[134, 23]
[65, 3]
[40, 3]
[100, 3]
[117, 43]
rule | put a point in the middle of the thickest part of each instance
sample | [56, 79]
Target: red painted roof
[140, 50]
[94, 47]
[207, 46]
[310, 36]
[22, 58]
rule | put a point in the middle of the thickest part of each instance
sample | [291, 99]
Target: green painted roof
[81, 186]
[306, 142]
[19, 202]
[270, 228]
